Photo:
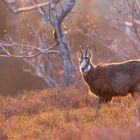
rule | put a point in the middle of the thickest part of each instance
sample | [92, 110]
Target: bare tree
[135, 16]
[126, 18]
[52, 12]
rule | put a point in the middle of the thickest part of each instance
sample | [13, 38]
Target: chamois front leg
[104, 99]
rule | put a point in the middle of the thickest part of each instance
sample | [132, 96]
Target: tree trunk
[69, 69]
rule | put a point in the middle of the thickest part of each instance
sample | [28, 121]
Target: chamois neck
[92, 66]
[89, 69]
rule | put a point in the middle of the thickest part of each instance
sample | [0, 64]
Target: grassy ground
[66, 114]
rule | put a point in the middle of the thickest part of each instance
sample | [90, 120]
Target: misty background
[87, 24]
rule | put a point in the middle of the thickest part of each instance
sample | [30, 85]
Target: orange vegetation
[66, 114]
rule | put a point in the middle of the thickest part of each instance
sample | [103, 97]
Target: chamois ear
[80, 53]
[89, 54]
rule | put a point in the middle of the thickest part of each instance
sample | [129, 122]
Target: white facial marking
[88, 69]
[83, 64]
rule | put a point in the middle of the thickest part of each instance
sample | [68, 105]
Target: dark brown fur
[117, 79]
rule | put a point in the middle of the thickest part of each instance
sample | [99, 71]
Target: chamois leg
[132, 94]
[97, 109]
[100, 103]
[104, 100]
[137, 91]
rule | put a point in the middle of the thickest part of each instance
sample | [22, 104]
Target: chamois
[109, 80]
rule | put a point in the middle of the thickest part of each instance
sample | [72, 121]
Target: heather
[67, 113]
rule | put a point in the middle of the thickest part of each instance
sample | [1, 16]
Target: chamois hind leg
[137, 91]
[132, 94]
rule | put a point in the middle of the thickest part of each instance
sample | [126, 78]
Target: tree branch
[66, 10]
[27, 8]
[22, 55]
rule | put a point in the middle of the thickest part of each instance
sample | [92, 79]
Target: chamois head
[84, 59]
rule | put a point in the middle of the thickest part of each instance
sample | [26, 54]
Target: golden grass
[66, 113]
